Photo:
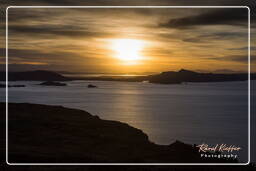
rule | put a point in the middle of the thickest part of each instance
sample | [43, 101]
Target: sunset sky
[128, 40]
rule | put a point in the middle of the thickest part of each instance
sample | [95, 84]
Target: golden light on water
[128, 50]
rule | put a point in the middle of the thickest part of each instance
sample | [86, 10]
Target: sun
[128, 50]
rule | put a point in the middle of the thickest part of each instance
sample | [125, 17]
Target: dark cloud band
[216, 17]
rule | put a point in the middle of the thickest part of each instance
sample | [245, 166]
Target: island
[37, 75]
[91, 86]
[55, 134]
[16, 85]
[181, 76]
[167, 77]
[52, 83]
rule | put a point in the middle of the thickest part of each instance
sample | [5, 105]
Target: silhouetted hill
[52, 83]
[169, 77]
[172, 77]
[38, 75]
[43, 133]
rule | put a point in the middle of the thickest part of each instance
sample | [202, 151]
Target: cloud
[242, 48]
[25, 56]
[66, 36]
[30, 67]
[235, 58]
[34, 54]
[213, 17]
[128, 2]
[57, 30]
[216, 36]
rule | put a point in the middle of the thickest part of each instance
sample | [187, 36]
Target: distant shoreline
[169, 77]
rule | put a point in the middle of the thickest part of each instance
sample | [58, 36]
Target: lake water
[195, 113]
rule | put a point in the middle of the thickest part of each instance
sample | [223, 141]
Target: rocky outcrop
[42, 133]
[91, 86]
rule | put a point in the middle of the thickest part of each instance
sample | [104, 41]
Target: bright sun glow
[128, 49]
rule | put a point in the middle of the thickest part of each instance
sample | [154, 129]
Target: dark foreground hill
[54, 134]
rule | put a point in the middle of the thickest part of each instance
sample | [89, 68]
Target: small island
[52, 83]
[92, 86]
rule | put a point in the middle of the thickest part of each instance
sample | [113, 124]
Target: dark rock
[52, 83]
[92, 86]
[16, 86]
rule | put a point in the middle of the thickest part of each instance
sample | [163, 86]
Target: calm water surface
[211, 113]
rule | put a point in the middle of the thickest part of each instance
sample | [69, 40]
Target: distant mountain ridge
[172, 77]
[38, 75]
[168, 77]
